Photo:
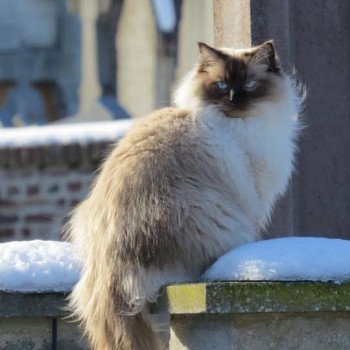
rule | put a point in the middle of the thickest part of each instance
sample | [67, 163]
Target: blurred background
[64, 61]
[73, 74]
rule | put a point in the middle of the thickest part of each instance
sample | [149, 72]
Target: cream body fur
[257, 152]
[183, 187]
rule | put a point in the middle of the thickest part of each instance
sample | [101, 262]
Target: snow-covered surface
[63, 134]
[41, 266]
[285, 259]
[38, 266]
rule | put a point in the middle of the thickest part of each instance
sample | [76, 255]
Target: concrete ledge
[254, 297]
[33, 304]
[203, 316]
[258, 315]
[36, 321]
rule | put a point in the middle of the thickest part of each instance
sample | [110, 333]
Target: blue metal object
[165, 15]
[117, 111]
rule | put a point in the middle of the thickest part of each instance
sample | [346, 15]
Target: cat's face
[237, 81]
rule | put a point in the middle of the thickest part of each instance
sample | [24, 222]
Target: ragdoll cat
[184, 186]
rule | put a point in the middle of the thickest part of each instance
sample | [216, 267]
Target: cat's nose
[232, 93]
[237, 98]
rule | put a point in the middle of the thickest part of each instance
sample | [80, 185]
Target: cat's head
[236, 81]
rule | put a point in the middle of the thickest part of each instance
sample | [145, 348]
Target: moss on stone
[257, 297]
[187, 298]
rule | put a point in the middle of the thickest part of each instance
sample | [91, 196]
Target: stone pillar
[321, 52]
[137, 57]
[313, 37]
[90, 87]
[196, 25]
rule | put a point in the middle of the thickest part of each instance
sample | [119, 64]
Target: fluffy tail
[111, 294]
[104, 315]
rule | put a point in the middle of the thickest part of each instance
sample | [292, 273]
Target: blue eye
[250, 84]
[221, 85]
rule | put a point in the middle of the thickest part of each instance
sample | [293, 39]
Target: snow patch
[64, 134]
[38, 266]
[285, 259]
[43, 266]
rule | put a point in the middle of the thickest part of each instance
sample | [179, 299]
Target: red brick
[8, 219]
[61, 202]
[26, 232]
[32, 190]
[58, 172]
[12, 191]
[39, 217]
[53, 188]
[7, 232]
[34, 201]
[7, 203]
[74, 186]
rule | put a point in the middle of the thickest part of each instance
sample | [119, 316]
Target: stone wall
[34, 203]
[43, 179]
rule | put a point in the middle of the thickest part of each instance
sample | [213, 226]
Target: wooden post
[90, 87]
[232, 23]
[196, 24]
[137, 57]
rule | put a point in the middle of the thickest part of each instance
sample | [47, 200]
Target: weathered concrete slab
[25, 334]
[70, 336]
[32, 304]
[258, 315]
[288, 331]
[203, 316]
[38, 321]
[35, 333]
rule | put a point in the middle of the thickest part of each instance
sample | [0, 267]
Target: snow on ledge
[45, 266]
[38, 266]
[63, 134]
[285, 259]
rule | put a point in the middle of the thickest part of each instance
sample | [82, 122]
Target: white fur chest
[256, 154]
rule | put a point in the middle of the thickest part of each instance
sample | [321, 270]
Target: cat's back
[160, 128]
[153, 144]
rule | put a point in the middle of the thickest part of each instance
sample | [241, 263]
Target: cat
[185, 185]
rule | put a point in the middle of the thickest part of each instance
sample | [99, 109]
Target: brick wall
[40, 182]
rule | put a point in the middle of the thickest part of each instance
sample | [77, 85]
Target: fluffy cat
[184, 186]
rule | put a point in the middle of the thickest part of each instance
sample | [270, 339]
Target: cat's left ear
[265, 54]
[208, 55]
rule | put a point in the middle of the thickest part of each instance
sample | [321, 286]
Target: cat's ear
[265, 54]
[208, 55]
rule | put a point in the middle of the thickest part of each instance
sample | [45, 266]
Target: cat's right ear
[208, 56]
